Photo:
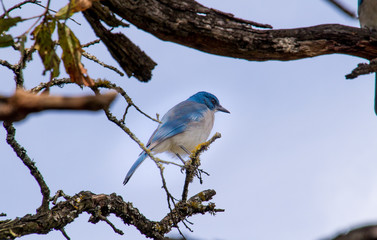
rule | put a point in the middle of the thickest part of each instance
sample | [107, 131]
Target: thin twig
[21, 153]
[56, 82]
[59, 194]
[120, 232]
[73, 20]
[7, 64]
[95, 59]
[109, 85]
[125, 113]
[62, 230]
[169, 196]
[25, 57]
[90, 43]
[19, 5]
[187, 227]
[180, 232]
[342, 8]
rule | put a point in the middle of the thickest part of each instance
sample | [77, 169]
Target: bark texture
[189, 23]
[99, 206]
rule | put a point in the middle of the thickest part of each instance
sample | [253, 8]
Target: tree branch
[18, 5]
[193, 164]
[21, 153]
[22, 103]
[362, 233]
[129, 56]
[67, 211]
[189, 23]
[363, 69]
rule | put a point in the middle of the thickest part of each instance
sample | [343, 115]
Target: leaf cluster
[41, 33]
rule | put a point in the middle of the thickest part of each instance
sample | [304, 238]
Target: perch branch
[192, 165]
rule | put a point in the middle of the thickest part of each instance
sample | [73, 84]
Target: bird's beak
[222, 109]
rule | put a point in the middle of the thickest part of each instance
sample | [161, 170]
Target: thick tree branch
[189, 23]
[362, 233]
[129, 56]
[22, 103]
[67, 211]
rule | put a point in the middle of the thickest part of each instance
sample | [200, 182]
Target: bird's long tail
[141, 158]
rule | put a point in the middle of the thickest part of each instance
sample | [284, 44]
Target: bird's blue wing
[176, 120]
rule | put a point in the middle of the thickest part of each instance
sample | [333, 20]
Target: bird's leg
[188, 153]
[183, 161]
[180, 158]
[185, 149]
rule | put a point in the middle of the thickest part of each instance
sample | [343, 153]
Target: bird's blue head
[360, 2]
[209, 100]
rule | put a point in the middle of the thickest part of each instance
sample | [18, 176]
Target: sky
[297, 157]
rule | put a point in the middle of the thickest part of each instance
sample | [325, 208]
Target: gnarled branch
[67, 211]
[189, 23]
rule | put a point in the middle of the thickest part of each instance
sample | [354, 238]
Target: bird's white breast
[197, 132]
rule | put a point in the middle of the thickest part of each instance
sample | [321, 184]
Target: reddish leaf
[74, 6]
[72, 56]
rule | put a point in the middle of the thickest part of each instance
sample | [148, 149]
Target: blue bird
[367, 10]
[182, 128]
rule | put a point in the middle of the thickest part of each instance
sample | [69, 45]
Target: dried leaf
[72, 7]
[46, 47]
[6, 23]
[72, 56]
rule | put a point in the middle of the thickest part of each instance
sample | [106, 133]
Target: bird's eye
[213, 101]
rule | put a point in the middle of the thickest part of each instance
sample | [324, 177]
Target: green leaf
[72, 56]
[46, 46]
[6, 23]
[6, 40]
[63, 12]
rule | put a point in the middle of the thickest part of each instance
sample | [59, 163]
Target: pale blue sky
[297, 157]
